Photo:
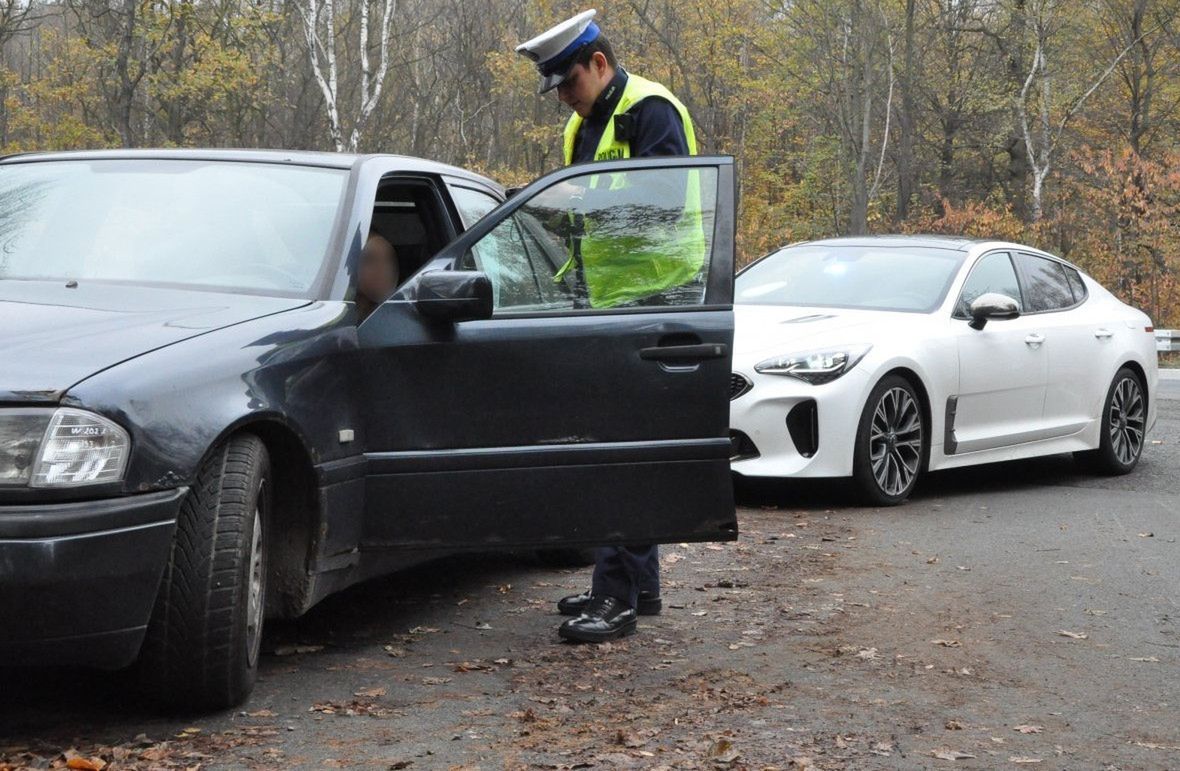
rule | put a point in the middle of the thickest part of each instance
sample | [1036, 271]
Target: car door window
[506, 255]
[546, 257]
[604, 241]
[1047, 287]
[1076, 284]
[472, 204]
[516, 283]
[409, 214]
[993, 273]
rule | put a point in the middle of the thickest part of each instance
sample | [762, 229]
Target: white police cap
[553, 49]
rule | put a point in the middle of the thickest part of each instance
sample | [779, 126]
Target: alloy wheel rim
[257, 578]
[1127, 420]
[895, 441]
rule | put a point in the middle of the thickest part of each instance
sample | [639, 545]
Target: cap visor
[550, 82]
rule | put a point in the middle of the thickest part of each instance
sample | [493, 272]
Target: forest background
[1052, 122]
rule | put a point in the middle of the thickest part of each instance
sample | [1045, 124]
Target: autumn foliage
[1054, 122]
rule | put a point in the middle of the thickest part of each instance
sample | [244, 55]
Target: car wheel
[891, 443]
[565, 558]
[203, 640]
[1124, 426]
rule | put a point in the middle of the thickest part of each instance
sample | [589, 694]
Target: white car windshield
[889, 278]
[253, 227]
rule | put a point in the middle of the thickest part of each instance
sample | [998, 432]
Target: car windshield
[890, 278]
[253, 227]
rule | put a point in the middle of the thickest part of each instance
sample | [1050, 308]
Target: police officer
[615, 115]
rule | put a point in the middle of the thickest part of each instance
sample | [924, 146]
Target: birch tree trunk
[320, 33]
[1040, 151]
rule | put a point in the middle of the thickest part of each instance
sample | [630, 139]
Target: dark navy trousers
[623, 572]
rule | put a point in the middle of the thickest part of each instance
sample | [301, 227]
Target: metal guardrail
[1167, 339]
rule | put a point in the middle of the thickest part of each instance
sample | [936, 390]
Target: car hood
[762, 331]
[52, 337]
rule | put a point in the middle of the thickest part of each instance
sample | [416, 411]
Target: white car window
[1048, 287]
[993, 273]
[1076, 284]
[913, 279]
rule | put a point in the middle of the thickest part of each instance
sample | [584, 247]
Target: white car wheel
[1124, 426]
[890, 443]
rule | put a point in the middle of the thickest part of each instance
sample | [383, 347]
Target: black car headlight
[61, 447]
[815, 367]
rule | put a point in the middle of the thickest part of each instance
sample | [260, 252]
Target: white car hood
[762, 331]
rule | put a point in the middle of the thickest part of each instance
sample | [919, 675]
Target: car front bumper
[771, 438]
[77, 580]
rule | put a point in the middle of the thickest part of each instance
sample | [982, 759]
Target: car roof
[971, 246]
[292, 157]
[958, 243]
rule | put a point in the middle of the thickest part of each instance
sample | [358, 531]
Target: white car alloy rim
[254, 599]
[895, 441]
[1127, 420]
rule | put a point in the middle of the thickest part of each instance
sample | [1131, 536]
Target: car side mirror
[454, 295]
[992, 305]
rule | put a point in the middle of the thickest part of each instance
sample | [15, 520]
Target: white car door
[1080, 348]
[1002, 368]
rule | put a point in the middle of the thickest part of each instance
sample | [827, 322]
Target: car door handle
[1103, 334]
[1035, 339]
[683, 352]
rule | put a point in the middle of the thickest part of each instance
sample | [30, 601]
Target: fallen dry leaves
[723, 752]
[356, 708]
[191, 750]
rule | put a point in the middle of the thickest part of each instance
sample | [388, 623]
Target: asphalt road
[1008, 615]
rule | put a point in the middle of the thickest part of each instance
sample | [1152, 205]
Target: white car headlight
[815, 367]
[60, 448]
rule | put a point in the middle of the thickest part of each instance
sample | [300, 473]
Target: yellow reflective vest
[630, 265]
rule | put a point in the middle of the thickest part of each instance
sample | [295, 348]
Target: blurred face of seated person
[378, 275]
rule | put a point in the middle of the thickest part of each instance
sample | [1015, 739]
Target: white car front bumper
[777, 432]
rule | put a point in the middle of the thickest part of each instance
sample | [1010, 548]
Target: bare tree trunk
[175, 109]
[326, 76]
[906, 173]
[1018, 169]
[860, 104]
[125, 88]
[1040, 152]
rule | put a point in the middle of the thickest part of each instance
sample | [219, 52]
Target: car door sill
[1016, 440]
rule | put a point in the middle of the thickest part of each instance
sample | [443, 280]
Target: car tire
[891, 443]
[1123, 428]
[203, 641]
[565, 558]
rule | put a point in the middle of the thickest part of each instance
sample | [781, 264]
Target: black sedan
[204, 424]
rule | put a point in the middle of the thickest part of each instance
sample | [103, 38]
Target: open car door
[559, 374]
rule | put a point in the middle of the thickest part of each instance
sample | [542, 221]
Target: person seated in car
[378, 275]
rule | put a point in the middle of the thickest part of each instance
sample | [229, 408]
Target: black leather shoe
[650, 604]
[604, 618]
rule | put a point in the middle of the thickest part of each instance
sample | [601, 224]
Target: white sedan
[879, 358]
